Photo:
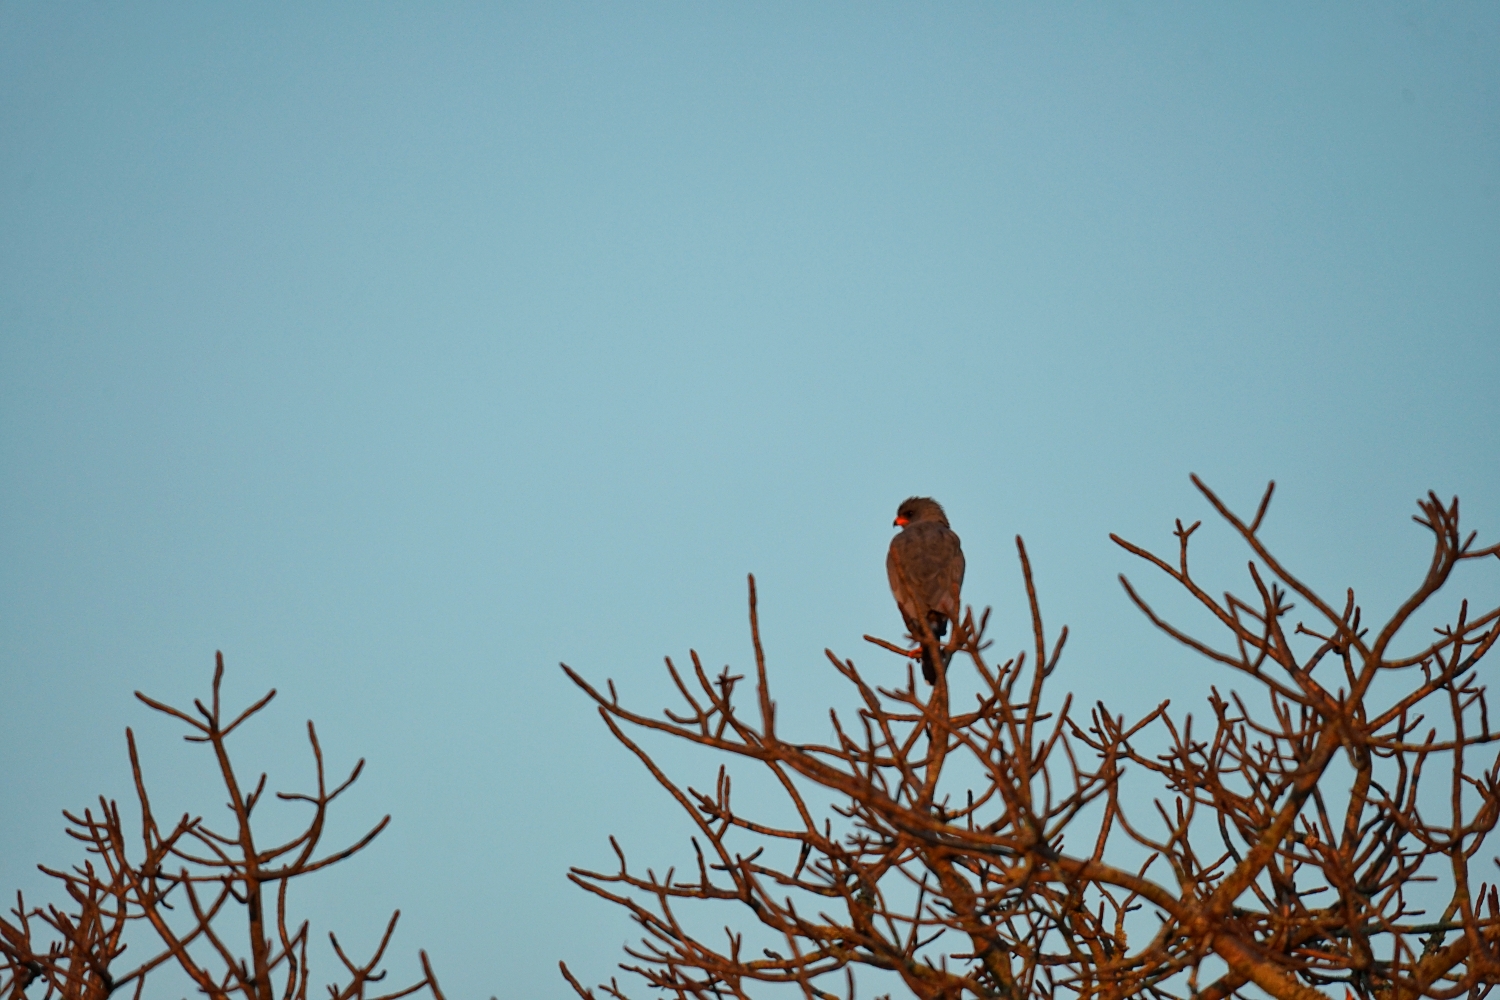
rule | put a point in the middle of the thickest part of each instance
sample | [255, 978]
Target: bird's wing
[934, 564]
[951, 581]
[925, 565]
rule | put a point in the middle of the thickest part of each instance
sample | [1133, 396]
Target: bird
[926, 568]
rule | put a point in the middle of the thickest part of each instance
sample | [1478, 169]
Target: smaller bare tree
[180, 887]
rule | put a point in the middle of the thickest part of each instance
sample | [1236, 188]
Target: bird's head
[919, 509]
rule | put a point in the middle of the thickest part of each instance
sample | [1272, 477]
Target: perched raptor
[926, 567]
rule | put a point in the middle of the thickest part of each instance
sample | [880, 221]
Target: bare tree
[1317, 832]
[191, 889]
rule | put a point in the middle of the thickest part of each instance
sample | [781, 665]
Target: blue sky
[402, 352]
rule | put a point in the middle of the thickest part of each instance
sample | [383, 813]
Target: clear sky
[403, 351]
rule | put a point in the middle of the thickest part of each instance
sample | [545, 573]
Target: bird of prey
[926, 568]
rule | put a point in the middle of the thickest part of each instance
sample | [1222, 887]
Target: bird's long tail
[939, 626]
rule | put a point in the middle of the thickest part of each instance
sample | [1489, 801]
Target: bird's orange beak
[899, 522]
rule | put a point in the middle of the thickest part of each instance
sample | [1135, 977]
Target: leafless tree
[1314, 836]
[193, 889]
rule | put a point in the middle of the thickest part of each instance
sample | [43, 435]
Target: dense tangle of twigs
[1292, 846]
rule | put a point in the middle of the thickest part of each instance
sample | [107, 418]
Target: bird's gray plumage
[926, 568]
